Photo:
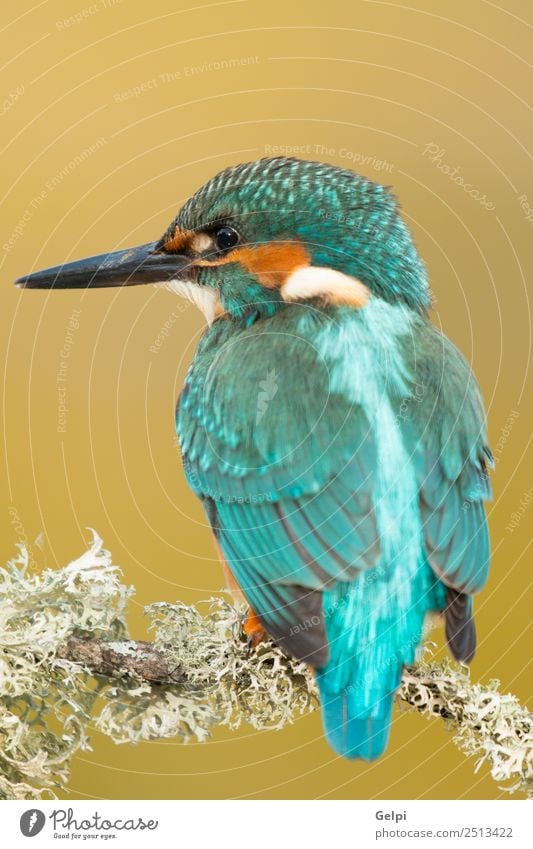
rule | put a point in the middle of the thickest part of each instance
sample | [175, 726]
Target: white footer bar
[279, 824]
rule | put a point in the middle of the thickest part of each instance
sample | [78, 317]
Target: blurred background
[112, 114]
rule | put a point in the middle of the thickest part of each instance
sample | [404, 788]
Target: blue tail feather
[352, 734]
[373, 629]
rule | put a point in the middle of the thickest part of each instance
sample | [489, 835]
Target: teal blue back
[336, 491]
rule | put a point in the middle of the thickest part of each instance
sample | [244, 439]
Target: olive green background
[160, 96]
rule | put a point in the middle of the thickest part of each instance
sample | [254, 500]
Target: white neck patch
[206, 299]
[312, 281]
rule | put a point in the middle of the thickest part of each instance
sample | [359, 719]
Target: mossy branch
[126, 659]
[67, 665]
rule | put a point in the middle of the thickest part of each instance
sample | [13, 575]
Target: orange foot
[253, 629]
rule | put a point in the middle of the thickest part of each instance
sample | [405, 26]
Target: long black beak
[131, 267]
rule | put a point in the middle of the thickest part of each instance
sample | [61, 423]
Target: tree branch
[487, 724]
[61, 627]
[127, 658]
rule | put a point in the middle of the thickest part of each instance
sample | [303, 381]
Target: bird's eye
[226, 238]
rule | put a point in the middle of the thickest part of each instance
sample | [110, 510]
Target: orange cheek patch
[271, 263]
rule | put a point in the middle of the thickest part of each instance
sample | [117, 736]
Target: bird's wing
[285, 467]
[444, 424]
[285, 552]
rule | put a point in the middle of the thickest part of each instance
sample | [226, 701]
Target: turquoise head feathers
[251, 225]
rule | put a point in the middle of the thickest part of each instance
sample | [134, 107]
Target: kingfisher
[335, 437]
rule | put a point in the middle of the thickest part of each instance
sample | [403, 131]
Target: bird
[336, 438]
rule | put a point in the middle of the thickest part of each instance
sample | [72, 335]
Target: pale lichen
[46, 702]
[226, 683]
[49, 704]
[489, 725]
